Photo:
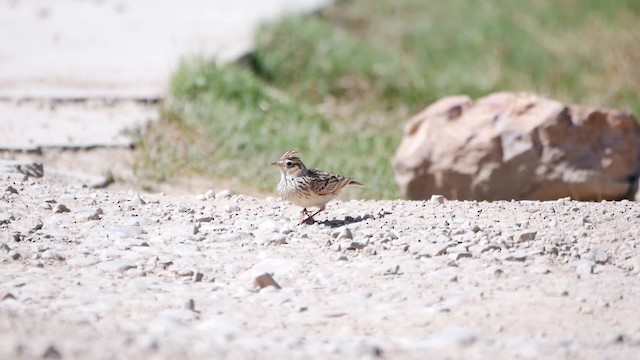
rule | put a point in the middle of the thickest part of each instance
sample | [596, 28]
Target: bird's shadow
[335, 223]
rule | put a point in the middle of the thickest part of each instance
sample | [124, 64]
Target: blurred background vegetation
[339, 84]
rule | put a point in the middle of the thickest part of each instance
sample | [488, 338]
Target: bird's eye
[289, 164]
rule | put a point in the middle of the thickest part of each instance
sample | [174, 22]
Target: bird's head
[290, 164]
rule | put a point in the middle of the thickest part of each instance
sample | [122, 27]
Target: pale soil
[164, 276]
[92, 167]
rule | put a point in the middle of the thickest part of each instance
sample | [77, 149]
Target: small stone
[268, 226]
[460, 255]
[196, 238]
[475, 228]
[585, 309]
[5, 218]
[52, 255]
[619, 339]
[31, 225]
[115, 266]
[369, 351]
[342, 257]
[61, 208]
[10, 189]
[356, 245]
[185, 272]
[231, 208]
[585, 267]
[100, 182]
[229, 237]
[5, 247]
[437, 199]
[599, 256]
[224, 194]
[371, 250]
[125, 231]
[190, 305]
[515, 257]
[480, 249]
[263, 238]
[201, 197]
[87, 215]
[345, 233]
[16, 236]
[456, 249]
[265, 280]
[453, 337]
[392, 271]
[525, 236]
[278, 239]
[136, 200]
[197, 277]
[210, 194]
[205, 219]
[539, 269]
[8, 296]
[81, 261]
[14, 255]
[389, 236]
[51, 353]
[436, 249]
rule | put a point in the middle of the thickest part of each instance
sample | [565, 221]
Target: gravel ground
[97, 274]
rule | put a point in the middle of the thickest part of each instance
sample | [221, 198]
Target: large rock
[518, 146]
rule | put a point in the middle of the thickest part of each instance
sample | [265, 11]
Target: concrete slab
[33, 125]
[71, 48]
[73, 73]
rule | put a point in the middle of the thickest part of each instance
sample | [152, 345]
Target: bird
[308, 188]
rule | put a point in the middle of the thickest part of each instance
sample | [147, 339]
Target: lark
[308, 188]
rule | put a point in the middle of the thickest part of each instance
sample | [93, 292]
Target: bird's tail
[352, 182]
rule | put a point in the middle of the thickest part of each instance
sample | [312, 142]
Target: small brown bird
[308, 187]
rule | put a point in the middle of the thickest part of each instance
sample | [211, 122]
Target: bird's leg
[316, 213]
[309, 220]
[303, 214]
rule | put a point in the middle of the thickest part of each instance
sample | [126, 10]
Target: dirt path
[122, 275]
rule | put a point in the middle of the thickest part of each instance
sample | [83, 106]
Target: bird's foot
[306, 217]
[307, 221]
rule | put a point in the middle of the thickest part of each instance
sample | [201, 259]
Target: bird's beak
[277, 163]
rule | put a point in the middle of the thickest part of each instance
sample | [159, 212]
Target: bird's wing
[326, 183]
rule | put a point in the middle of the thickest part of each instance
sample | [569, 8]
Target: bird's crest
[291, 154]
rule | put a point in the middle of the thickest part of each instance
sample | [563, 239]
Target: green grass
[340, 84]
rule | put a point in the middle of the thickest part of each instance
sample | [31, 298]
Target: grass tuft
[340, 84]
